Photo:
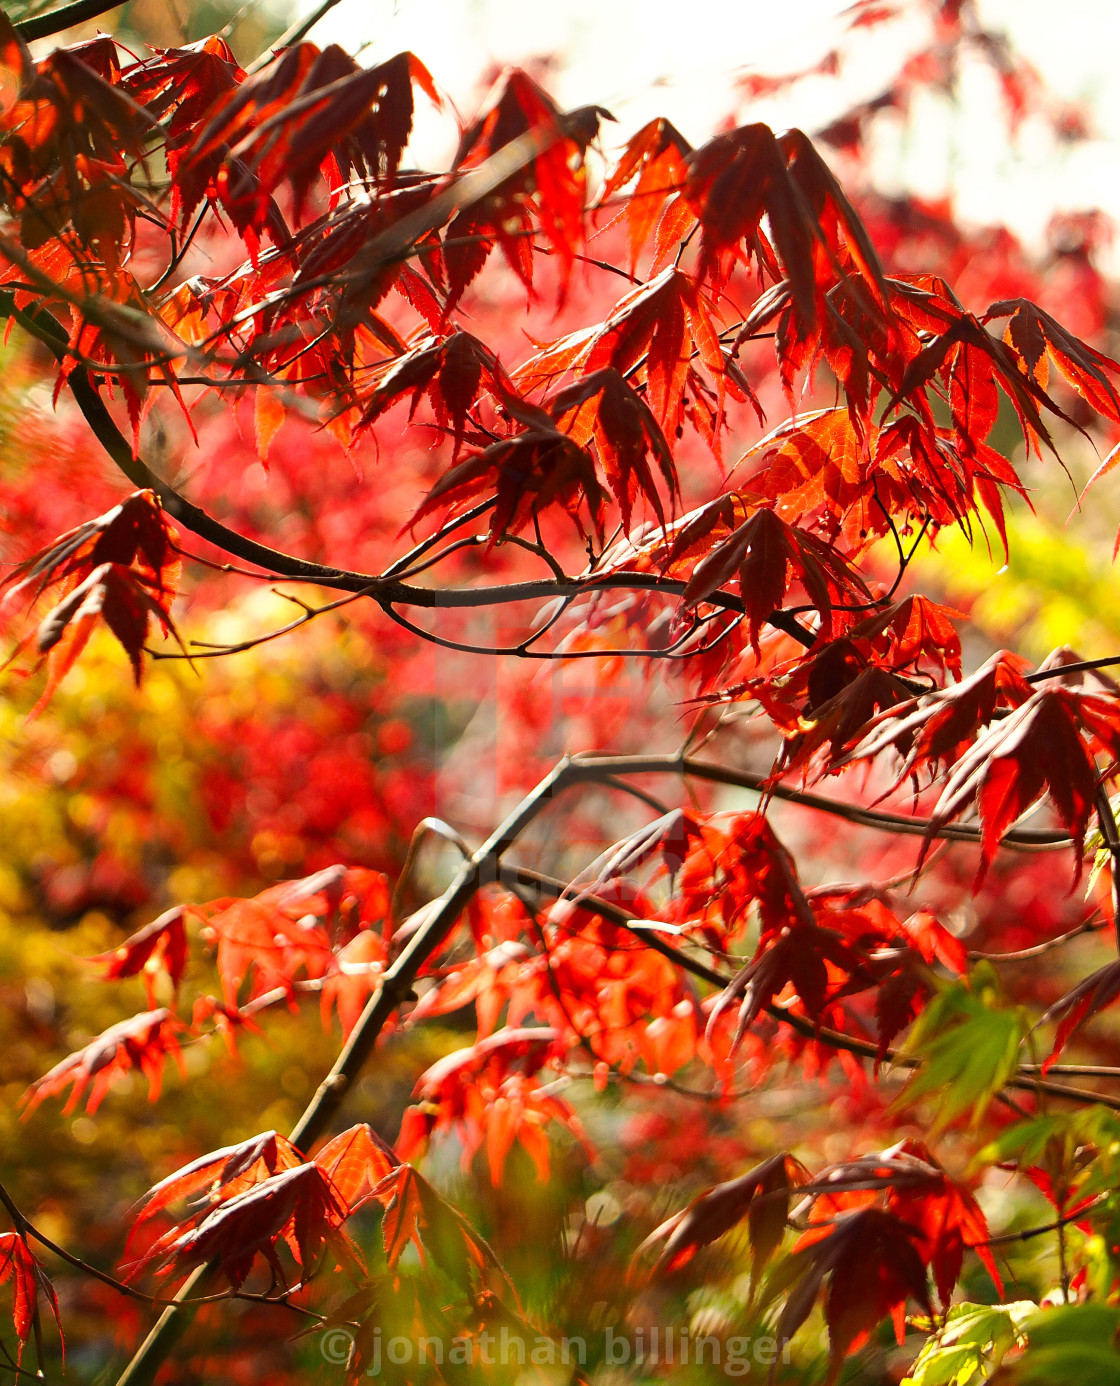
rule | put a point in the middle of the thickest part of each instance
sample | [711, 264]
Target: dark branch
[65, 17]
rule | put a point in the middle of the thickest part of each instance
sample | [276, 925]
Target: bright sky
[680, 58]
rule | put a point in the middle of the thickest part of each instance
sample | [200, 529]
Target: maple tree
[681, 427]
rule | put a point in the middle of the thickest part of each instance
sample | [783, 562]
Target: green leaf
[1072, 1362]
[1026, 1141]
[1095, 843]
[1070, 1343]
[1082, 1146]
[971, 1345]
[1094, 1325]
[969, 1046]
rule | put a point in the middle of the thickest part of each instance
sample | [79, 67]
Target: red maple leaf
[122, 567]
[309, 112]
[1079, 1004]
[763, 555]
[297, 1206]
[143, 1041]
[356, 1161]
[657, 156]
[548, 192]
[761, 1195]
[162, 943]
[19, 1264]
[872, 1263]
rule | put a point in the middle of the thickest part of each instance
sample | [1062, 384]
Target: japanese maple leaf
[1038, 746]
[71, 115]
[135, 534]
[220, 1174]
[143, 1041]
[969, 1046]
[307, 113]
[160, 944]
[866, 350]
[535, 469]
[356, 1161]
[1038, 340]
[730, 863]
[971, 363]
[19, 1264]
[947, 1215]
[835, 226]
[813, 464]
[111, 594]
[181, 86]
[904, 981]
[122, 568]
[486, 980]
[791, 691]
[450, 371]
[296, 1206]
[840, 718]
[937, 729]
[527, 1048]
[761, 1196]
[491, 1094]
[651, 337]
[764, 554]
[659, 326]
[274, 936]
[931, 938]
[602, 406]
[741, 176]
[415, 1212]
[899, 994]
[962, 356]
[864, 914]
[656, 156]
[548, 193]
[1079, 1004]
[399, 1194]
[814, 963]
[896, 952]
[16, 63]
[352, 973]
[922, 472]
[873, 1265]
[918, 632]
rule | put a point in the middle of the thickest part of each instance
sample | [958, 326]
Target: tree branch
[434, 922]
[396, 986]
[1010, 1238]
[386, 591]
[291, 36]
[1024, 1079]
[65, 17]
[1024, 839]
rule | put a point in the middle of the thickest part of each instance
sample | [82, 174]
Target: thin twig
[1010, 1238]
[296, 33]
[1089, 926]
